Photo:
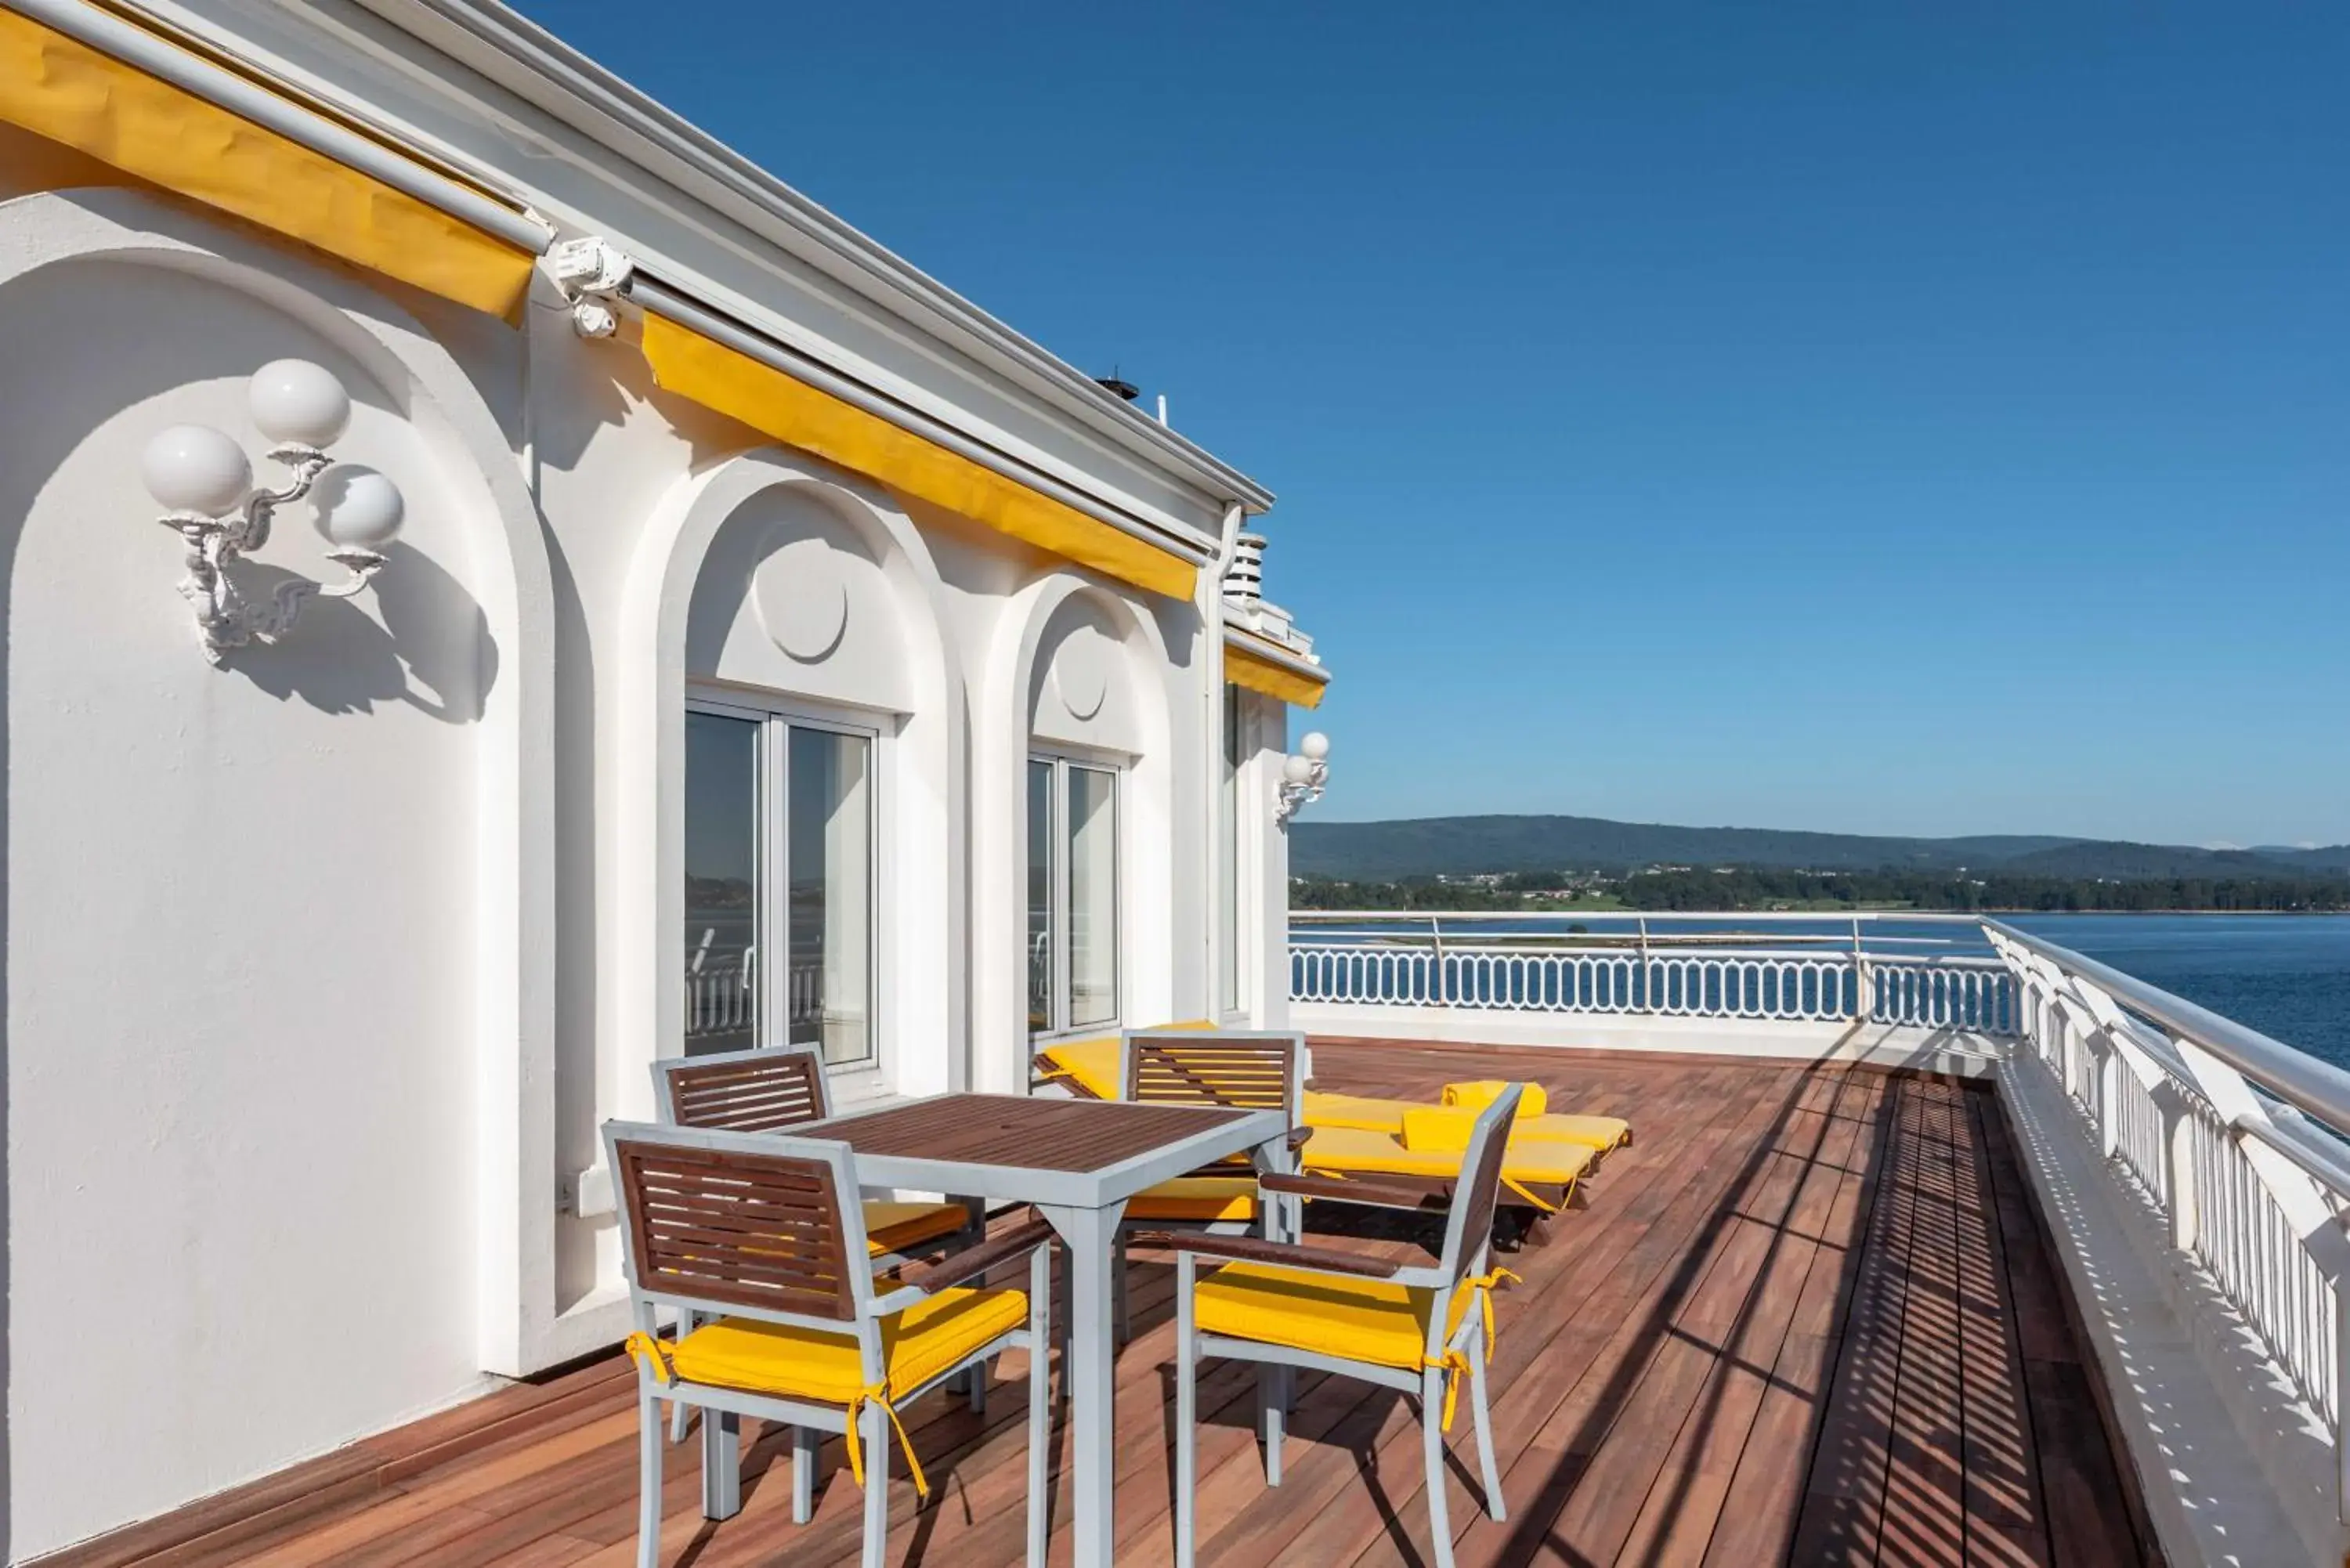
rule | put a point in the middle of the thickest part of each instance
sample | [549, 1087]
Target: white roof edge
[563, 82]
[1239, 634]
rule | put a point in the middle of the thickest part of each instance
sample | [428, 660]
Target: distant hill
[1468, 846]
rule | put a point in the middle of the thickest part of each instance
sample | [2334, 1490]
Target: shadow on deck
[1807, 1318]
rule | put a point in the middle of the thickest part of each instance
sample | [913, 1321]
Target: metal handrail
[1791, 917]
[2294, 1076]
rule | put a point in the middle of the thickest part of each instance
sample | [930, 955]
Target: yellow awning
[58, 87]
[765, 398]
[1244, 667]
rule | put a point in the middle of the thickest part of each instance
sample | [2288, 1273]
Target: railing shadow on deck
[1533, 1530]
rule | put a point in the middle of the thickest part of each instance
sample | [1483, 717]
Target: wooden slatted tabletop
[1079, 1136]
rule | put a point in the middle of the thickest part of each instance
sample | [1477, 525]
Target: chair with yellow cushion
[778, 1088]
[1423, 1329]
[1241, 1069]
[758, 1240]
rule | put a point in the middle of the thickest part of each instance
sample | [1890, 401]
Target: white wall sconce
[1303, 773]
[203, 479]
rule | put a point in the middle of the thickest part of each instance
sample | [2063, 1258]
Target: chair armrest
[1348, 1192]
[1299, 1138]
[1287, 1254]
[936, 1273]
[1041, 1066]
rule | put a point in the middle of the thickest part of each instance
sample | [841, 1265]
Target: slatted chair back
[764, 1090]
[1468, 1228]
[741, 1223]
[1240, 1069]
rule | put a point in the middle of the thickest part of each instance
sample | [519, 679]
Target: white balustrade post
[2109, 1068]
[1860, 1008]
[2341, 1398]
[2178, 1115]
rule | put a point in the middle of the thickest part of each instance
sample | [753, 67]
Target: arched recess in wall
[773, 582]
[279, 933]
[1075, 673]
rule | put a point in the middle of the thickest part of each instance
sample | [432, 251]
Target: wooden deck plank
[1806, 1318]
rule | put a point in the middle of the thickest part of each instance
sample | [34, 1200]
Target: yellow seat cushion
[1364, 1114]
[917, 1344]
[1361, 1320]
[1483, 1092]
[1197, 1198]
[892, 1227]
[1351, 1152]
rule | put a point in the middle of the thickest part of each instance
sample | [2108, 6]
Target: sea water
[2287, 976]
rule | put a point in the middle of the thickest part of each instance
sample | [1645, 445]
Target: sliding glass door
[779, 885]
[1073, 875]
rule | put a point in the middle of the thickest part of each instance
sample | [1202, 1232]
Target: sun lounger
[1402, 1142]
[1090, 1067]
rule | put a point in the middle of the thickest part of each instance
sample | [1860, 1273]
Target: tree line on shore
[1766, 887]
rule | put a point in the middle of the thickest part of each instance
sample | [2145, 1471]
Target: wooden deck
[1808, 1318]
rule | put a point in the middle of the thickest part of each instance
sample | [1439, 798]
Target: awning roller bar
[166, 61]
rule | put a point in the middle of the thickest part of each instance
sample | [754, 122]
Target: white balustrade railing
[1739, 975]
[724, 998]
[2232, 1139]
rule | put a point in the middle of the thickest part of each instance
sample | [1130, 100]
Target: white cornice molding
[559, 81]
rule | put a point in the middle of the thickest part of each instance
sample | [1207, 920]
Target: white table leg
[1089, 1367]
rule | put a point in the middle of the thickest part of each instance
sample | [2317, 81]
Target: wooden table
[1077, 1161]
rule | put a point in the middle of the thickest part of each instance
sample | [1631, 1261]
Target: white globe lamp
[195, 468]
[297, 403]
[1314, 747]
[1298, 770]
[355, 508]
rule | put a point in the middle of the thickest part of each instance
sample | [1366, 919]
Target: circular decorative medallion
[801, 593]
[1081, 672]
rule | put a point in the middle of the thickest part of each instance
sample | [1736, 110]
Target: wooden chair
[1240, 1069]
[1421, 1329]
[774, 1089]
[778, 1088]
[757, 1237]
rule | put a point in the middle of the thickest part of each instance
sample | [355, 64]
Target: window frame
[1060, 758]
[778, 713]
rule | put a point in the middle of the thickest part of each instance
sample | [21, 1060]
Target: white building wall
[251, 948]
[323, 968]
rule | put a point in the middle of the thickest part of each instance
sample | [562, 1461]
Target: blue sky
[1915, 418]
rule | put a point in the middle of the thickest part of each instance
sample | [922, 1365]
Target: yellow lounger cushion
[1197, 1198]
[1601, 1133]
[1440, 1129]
[1358, 1111]
[1477, 1096]
[1350, 1151]
[917, 1344]
[1361, 1319]
[1092, 1065]
[1368, 1114]
[894, 1227]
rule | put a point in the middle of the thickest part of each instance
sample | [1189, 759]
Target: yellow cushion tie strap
[647, 1350]
[1529, 1197]
[879, 1394]
[1455, 1363]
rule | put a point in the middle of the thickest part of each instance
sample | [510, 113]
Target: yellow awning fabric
[1257, 673]
[62, 90]
[765, 398]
